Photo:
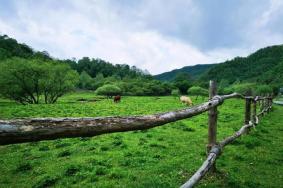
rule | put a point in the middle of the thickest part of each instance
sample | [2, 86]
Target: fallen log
[27, 130]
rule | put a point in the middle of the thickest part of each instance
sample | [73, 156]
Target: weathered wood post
[254, 110]
[269, 103]
[266, 104]
[262, 107]
[248, 108]
[212, 121]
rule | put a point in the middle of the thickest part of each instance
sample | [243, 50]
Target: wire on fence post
[212, 121]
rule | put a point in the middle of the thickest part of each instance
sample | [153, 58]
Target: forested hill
[194, 71]
[264, 66]
[9, 48]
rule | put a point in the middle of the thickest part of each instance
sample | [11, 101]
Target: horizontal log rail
[36, 129]
[217, 150]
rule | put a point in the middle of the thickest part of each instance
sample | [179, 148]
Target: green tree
[222, 85]
[58, 80]
[175, 92]
[263, 90]
[183, 81]
[109, 90]
[242, 88]
[85, 81]
[25, 81]
[197, 91]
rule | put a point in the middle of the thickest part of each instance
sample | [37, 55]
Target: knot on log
[219, 98]
[216, 149]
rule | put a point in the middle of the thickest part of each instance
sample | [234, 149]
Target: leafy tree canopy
[26, 81]
[109, 90]
[196, 90]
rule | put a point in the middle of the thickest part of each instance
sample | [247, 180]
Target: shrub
[240, 88]
[263, 90]
[197, 91]
[175, 92]
[108, 90]
[85, 81]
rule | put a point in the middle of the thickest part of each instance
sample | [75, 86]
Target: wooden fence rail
[27, 130]
[217, 150]
[36, 129]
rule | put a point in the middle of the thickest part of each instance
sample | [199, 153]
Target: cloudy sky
[157, 35]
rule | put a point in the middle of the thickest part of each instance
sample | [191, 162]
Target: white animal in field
[186, 100]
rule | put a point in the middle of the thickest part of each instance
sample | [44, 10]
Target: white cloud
[98, 29]
[275, 6]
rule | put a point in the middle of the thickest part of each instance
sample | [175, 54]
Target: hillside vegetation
[93, 72]
[194, 71]
[265, 66]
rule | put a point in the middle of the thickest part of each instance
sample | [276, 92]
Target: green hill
[265, 66]
[10, 47]
[194, 71]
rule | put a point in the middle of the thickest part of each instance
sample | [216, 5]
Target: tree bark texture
[27, 130]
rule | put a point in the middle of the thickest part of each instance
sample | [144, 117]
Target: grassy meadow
[165, 156]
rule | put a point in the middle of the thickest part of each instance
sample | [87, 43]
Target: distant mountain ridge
[263, 66]
[194, 71]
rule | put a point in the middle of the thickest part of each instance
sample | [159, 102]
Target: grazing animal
[186, 100]
[117, 98]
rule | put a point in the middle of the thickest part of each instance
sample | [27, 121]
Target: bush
[240, 88]
[109, 90]
[85, 81]
[175, 92]
[198, 91]
[254, 89]
[263, 90]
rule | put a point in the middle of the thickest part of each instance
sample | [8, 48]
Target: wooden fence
[36, 129]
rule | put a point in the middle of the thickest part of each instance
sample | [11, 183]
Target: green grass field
[160, 157]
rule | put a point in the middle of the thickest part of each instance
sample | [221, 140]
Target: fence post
[212, 121]
[269, 102]
[261, 107]
[254, 110]
[248, 108]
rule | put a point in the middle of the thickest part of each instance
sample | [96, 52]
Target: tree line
[29, 76]
[265, 67]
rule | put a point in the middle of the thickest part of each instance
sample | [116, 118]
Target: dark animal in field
[117, 98]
